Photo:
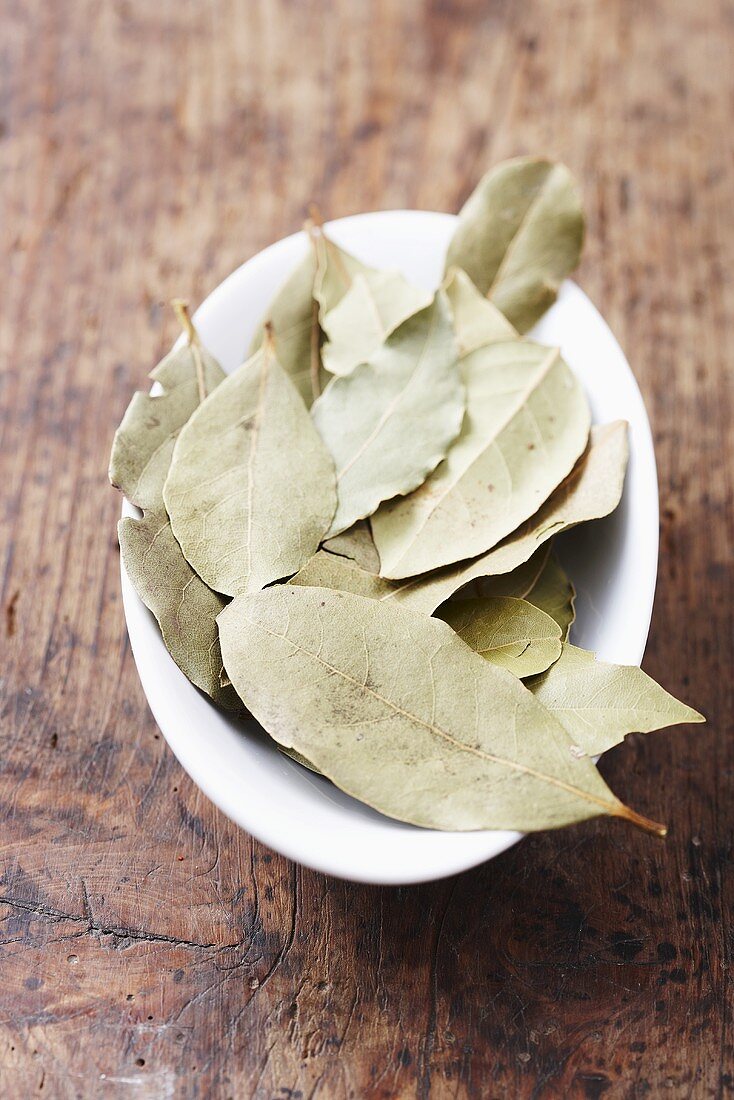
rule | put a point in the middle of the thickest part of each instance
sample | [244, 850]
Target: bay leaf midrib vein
[499, 273]
[387, 413]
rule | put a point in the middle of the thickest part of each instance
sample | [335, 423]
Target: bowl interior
[613, 564]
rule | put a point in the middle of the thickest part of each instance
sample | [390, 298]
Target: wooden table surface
[148, 947]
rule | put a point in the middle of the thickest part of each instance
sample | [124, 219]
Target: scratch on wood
[48, 913]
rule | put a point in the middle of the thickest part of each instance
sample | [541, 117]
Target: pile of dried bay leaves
[351, 534]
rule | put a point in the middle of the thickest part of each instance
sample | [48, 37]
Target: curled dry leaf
[336, 270]
[308, 299]
[519, 235]
[394, 708]
[554, 594]
[250, 492]
[509, 632]
[476, 321]
[518, 583]
[591, 491]
[376, 303]
[316, 285]
[514, 448]
[391, 421]
[599, 703]
[185, 607]
[357, 306]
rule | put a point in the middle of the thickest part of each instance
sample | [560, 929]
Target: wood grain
[148, 947]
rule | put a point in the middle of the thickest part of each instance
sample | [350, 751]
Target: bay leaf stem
[315, 349]
[181, 309]
[645, 823]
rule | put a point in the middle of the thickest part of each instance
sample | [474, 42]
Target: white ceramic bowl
[613, 564]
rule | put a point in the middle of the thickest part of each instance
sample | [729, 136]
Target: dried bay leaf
[293, 316]
[526, 424]
[391, 421]
[376, 303]
[186, 609]
[517, 583]
[250, 492]
[357, 544]
[554, 593]
[317, 284]
[509, 632]
[299, 759]
[591, 491]
[336, 270]
[397, 711]
[519, 235]
[476, 321]
[144, 441]
[600, 703]
[326, 570]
